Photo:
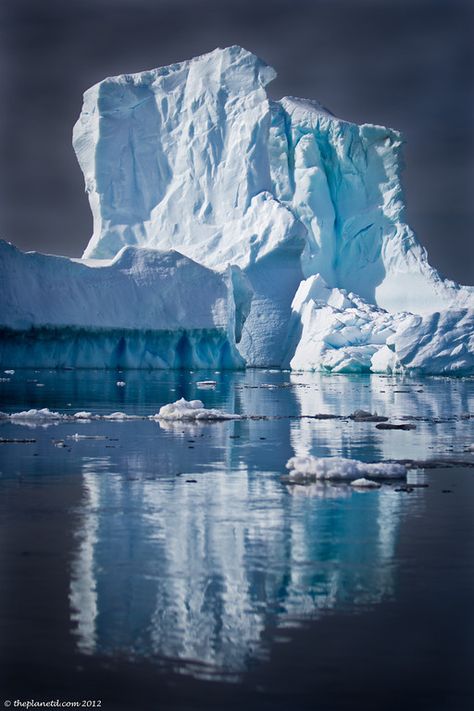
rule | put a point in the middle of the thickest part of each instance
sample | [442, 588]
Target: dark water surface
[167, 566]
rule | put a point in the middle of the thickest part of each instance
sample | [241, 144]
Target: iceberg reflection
[197, 571]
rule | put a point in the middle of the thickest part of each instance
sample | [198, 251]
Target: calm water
[168, 566]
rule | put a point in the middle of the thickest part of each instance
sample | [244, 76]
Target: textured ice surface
[191, 410]
[337, 331]
[195, 156]
[142, 309]
[42, 415]
[310, 467]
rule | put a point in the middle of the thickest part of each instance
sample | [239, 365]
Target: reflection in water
[196, 571]
[436, 404]
[200, 569]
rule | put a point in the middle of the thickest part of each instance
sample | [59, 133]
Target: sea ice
[44, 414]
[206, 384]
[365, 483]
[309, 467]
[191, 410]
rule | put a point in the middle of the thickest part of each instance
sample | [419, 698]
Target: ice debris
[365, 483]
[33, 415]
[191, 410]
[206, 384]
[310, 467]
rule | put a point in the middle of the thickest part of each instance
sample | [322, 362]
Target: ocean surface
[152, 565]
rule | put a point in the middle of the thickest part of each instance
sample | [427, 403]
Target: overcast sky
[404, 63]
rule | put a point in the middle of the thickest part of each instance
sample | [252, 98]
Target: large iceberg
[280, 199]
[141, 309]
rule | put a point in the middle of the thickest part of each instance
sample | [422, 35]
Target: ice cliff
[141, 309]
[195, 157]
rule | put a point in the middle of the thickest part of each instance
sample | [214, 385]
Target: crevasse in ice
[308, 209]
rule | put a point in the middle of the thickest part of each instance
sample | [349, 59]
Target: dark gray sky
[404, 63]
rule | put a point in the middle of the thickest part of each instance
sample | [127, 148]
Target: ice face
[142, 309]
[337, 331]
[195, 157]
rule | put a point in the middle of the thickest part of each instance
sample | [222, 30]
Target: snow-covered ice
[191, 410]
[310, 467]
[34, 415]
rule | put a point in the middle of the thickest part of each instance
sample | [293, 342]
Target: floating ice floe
[191, 410]
[42, 415]
[206, 384]
[120, 417]
[78, 437]
[310, 468]
[365, 483]
[120, 383]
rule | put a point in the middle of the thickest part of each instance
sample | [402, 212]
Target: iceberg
[229, 230]
[141, 309]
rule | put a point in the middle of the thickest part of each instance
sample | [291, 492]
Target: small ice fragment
[206, 384]
[82, 415]
[365, 483]
[191, 410]
[312, 468]
[9, 372]
[120, 416]
[40, 385]
[5, 380]
[43, 414]
[77, 437]
[59, 443]
[120, 383]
